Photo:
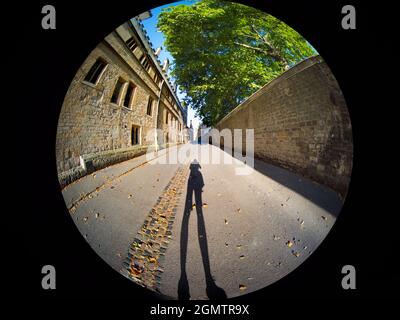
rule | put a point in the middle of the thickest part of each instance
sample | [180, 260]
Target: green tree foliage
[225, 51]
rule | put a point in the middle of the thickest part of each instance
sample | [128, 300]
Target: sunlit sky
[157, 39]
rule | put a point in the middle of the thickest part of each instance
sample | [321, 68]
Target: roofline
[140, 31]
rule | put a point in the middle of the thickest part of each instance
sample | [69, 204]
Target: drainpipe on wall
[156, 115]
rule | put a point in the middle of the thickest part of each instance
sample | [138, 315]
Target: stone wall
[95, 132]
[301, 123]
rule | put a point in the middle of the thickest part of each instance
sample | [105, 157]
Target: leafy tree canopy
[225, 51]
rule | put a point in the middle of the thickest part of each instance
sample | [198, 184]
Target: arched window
[95, 71]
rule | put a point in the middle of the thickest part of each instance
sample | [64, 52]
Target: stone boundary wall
[301, 123]
[97, 161]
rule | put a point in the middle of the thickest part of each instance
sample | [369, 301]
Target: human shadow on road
[195, 185]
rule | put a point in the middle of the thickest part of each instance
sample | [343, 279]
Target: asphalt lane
[242, 232]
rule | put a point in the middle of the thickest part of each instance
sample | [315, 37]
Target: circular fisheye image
[204, 149]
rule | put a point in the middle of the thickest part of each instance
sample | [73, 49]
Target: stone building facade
[116, 100]
[301, 123]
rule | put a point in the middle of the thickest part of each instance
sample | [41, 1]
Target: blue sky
[157, 39]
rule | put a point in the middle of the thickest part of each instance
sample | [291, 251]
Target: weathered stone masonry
[301, 122]
[94, 130]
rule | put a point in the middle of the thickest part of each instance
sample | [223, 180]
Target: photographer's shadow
[195, 185]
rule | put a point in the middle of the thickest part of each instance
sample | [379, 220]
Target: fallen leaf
[135, 271]
[242, 287]
[296, 254]
[289, 243]
[85, 219]
[226, 221]
[241, 257]
[205, 205]
[97, 215]
[130, 196]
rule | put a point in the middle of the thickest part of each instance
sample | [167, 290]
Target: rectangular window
[131, 43]
[128, 96]
[146, 64]
[95, 71]
[117, 91]
[149, 106]
[135, 135]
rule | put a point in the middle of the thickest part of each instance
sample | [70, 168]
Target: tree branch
[266, 52]
[251, 47]
[272, 50]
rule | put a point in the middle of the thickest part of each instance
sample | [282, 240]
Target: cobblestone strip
[147, 252]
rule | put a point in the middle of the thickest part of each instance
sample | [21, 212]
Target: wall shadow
[195, 185]
[320, 195]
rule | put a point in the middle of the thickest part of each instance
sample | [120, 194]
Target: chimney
[165, 65]
[157, 52]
